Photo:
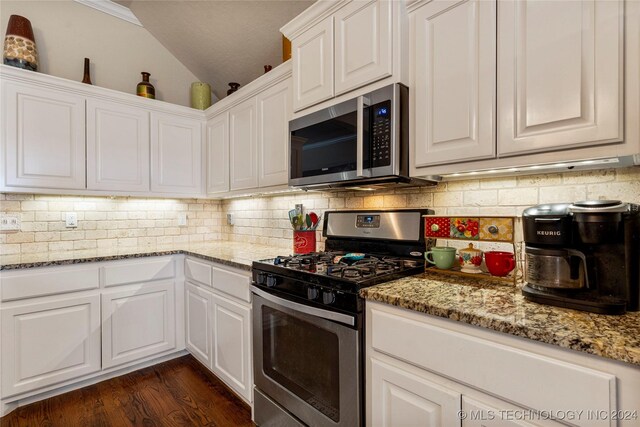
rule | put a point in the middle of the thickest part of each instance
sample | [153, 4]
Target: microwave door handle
[362, 102]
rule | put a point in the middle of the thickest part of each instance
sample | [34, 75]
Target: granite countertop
[504, 309]
[234, 254]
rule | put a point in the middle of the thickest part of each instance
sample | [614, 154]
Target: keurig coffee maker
[584, 255]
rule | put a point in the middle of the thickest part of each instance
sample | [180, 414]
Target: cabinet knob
[492, 229]
[435, 227]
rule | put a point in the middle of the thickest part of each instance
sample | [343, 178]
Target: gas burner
[352, 272]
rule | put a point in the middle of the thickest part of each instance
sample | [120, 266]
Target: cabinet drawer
[197, 271]
[495, 368]
[498, 229]
[47, 281]
[436, 226]
[234, 284]
[139, 271]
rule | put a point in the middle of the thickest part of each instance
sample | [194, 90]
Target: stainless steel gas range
[308, 317]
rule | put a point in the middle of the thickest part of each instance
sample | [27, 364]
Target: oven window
[328, 147]
[303, 358]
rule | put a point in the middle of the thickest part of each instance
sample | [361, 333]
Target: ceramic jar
[200, 95]
[470, 259]
[145, 88]
[19, 44]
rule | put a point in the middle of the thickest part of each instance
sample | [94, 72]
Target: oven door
[305, 362]
[330, 145]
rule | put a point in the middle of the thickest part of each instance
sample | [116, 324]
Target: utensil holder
[304, 242]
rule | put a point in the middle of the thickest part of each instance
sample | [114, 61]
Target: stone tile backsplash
[121, 221]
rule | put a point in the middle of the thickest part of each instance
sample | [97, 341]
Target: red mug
[304, 242]
[499, 263]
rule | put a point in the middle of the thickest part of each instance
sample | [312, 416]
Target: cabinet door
[117, 147]
[43, 138]
[137, 322]
[49, 342]
[399, 398]
[218, 154]
[560, 74]
[363, 44]
[274, 112]
[312, 54]
[231, 351]
[453, 70]
[198, 312]
[176, 154]
[243, 145]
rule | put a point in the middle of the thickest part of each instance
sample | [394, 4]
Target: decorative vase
[19, 44]
[87, 72]
[145, 88]
[234, 87]
[286, 49]
[200, 95]
[267, 68]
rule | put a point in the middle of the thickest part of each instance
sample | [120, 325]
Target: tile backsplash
[122, 221]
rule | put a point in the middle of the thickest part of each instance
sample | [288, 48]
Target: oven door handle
[361, 103]
[312, 311]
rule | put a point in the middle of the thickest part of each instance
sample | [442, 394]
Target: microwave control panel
[381, 134]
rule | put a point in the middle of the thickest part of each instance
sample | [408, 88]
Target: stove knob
[328, 297]
[271, 281]
[261, 278]
[312, 293]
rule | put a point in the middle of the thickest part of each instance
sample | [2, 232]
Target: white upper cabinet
[176, 154]
[218, 154]
[560, 74]
[363, 41]
[117, 147]
[453, 73]
[243, 145]
[341, 46]
[312, 54]
[43, 137]
[274, 112]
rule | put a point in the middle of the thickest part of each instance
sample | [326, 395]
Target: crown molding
[111, 8]
[309, 17]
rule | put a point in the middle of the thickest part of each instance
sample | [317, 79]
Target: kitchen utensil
[499, 263]
[443, 257]
[470, 259]
[314, 219]
[308, 221]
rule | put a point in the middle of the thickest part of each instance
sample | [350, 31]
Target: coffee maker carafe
[584, 255]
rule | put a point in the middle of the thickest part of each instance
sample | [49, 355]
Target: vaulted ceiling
[220, 41]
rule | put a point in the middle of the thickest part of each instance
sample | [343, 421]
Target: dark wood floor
[179, 392]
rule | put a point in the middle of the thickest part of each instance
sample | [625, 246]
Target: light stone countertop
[504, 309]
[233, 254]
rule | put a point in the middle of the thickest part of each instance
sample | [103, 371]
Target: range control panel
[368, 221]
[381, 134]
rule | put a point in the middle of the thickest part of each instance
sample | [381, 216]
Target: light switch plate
[182, 219]
[230, 219]
[10, 223]
[71, 220]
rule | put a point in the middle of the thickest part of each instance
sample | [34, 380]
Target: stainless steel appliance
[308, 317]
[361, 142]
[584, 255]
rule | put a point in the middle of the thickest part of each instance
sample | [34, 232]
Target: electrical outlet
[9, 223]
[230, 219]
[299, 209]
[182, 219]
[71, 220]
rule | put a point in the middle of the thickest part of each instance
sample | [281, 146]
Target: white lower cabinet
[401, 399]
[231, 349]
[198, 315]
[218, 322]
[423, 370]
[137, 322]
[49, 341]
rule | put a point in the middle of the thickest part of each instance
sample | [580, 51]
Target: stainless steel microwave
[360, 143]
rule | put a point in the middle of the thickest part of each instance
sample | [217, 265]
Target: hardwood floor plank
[177, 393]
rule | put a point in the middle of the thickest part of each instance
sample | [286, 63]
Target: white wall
[66, 32]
